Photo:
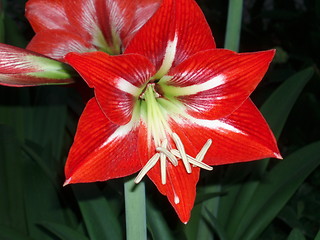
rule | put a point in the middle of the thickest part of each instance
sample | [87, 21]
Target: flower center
[154, 110]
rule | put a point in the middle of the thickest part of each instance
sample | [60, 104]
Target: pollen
[173, 156]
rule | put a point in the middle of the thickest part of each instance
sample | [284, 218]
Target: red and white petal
[242, 136]
[180, 187]
[101, 150]
[118, 80]
[57, 43]
[20, 67]
[174, 33]
[123, 18]
[46, 15]
[214, 83]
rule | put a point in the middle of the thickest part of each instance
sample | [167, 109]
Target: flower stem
[135, 204]
[234, 21]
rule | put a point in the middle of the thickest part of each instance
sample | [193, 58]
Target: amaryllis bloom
[71, 26]
[86, 25]
[170, 105]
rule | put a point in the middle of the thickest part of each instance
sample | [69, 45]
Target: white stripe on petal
[168, 57]
[196, 88]
[218, 125]
[127, 87]
[121, 132]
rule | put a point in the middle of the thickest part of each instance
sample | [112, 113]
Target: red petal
[242, 136]
[57, 43]
[125, 17]
[101, 150]
[214, 83]
[118, 80]
[180, 187]
[180, 24]
[46, 14]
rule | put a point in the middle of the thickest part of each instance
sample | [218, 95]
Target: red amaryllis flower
[86, 25]
[170, 105]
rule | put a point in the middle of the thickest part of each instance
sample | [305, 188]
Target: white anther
[150, 164]
[169, 155]
[182, 151]
[203, 151]
[192, 160]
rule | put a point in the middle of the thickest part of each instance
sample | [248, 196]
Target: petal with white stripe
[118, 80]
[175, 32]
[214, 83]
[102, 150]
[242, 136]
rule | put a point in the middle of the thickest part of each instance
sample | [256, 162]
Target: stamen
[203, 151]
[192, 160]
[170, 156]
[163, 163]
[150, 164]
[180, 147]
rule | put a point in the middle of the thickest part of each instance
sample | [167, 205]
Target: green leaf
[317, 237]
[2, 31]
[296, 234]
[99, 218]
[213, 222]
[276, 110]
[276, 189]
[42, 200]
[157, 225]
[7, 233]
[62, 231]
[11, 181]
[278, 106]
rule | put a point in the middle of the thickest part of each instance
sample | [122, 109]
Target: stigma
[174, 156]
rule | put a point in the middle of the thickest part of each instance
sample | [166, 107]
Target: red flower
[70, 26]
[85, 25]
[159, 106]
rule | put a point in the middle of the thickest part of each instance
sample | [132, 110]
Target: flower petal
[57, 43]
[102, 150]
[125, 17]
[242, 136]
[46, 14]
[118, 80]
[20, 67]
[180, 187]
[175, 32]
[214, 83]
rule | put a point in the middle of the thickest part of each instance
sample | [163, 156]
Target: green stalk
[234, 21]
[135, 203]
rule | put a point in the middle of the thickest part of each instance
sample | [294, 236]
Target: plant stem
[234, 21]
[135, 204]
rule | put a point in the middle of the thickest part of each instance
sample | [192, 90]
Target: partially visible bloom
[71, 26]
[21, 68]
[86, 25]
[170, 105]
